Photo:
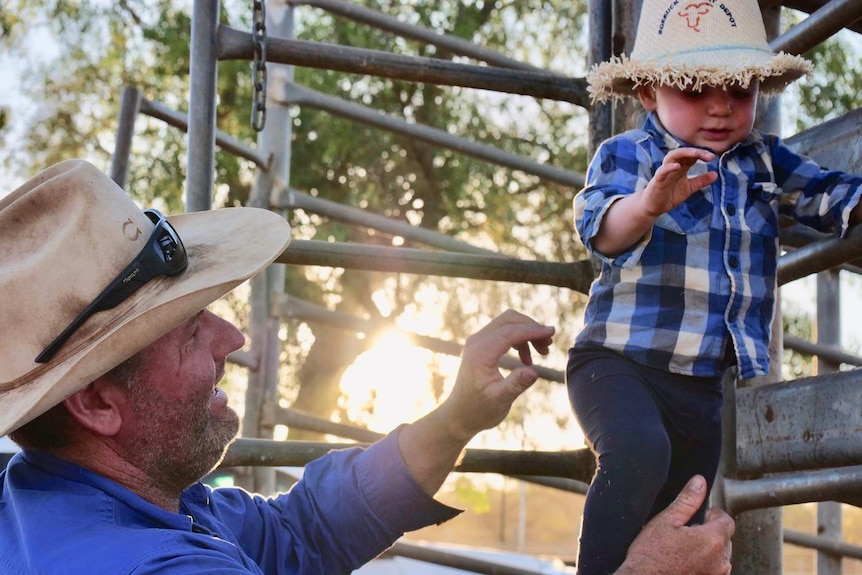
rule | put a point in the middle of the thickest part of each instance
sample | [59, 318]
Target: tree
[108, 46]
[72, 111]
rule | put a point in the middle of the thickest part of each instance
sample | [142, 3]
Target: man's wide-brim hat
[64, 236]
[688, 44]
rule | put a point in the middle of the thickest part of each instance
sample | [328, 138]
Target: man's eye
[692, 94]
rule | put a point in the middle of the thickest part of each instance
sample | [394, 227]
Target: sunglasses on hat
[163, 254]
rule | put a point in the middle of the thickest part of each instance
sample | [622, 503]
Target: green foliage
[798, 324]
[472, 497]
[836, 87]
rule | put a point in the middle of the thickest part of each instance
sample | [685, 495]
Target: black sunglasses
[164, 254]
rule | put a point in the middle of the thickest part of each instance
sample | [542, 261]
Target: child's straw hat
[688, 44]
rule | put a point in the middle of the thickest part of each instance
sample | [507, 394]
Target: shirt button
[731, 209]
[733, 261]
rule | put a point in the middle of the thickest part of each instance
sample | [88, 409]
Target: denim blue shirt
[59, 518]
[705, 276]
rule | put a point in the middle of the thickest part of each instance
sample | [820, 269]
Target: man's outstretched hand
[480, 399]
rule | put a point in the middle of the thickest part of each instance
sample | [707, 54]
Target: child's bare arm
[628, 219]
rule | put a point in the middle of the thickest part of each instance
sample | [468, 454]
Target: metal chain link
[258, 35]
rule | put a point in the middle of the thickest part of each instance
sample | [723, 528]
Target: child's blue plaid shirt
[706, 273]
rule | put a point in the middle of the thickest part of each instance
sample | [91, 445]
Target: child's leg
[624, 427]
[690, 457]
[693, 415]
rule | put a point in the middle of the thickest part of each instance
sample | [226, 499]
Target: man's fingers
[719, 518]
[512, 329]
[687, 502]
[540, 345]
[521, 379]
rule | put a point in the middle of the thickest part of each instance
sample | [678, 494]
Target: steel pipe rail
[807, 423]
[826, 352]
[237, 45]
[799, 236]
[575, 275]
[560, 483]
[245, 359]
[292, 307]
[824, 544]
[455, 560]
[300, 420]
[807, 6]
[811, 6]
[381, 21]
[294, 94]
[823, 23]
[292, 199]
[578, 464]
[225, 141]
[819, 256]
[787, 489]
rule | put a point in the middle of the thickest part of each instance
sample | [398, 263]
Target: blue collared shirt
[705, 276]
[351, 505]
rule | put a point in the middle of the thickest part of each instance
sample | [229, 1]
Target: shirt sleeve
[814, 196]
[350, 506]
[619, 168]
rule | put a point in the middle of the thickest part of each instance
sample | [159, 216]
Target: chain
[258, 35]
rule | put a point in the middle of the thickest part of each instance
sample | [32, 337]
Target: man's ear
[97, 407]
[646, 94]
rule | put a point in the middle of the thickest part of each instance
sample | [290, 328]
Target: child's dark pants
[651, 431]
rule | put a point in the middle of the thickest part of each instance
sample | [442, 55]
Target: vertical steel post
[202, 105]
[828, 332]
[275, 141]
[130, 105]
[757, 544]
[600, 50]
[628, 113]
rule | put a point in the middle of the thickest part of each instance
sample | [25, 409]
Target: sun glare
[389, 384]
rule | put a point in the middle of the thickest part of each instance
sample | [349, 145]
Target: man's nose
[227, 337]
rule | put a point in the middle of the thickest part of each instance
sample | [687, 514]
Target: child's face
[716, 118]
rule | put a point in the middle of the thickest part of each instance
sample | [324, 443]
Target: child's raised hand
[671, 186]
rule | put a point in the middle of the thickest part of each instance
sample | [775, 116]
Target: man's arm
[666, 546]
[480, 400]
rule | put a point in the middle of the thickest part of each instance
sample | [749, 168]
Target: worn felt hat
[688, 44]
[67, 235]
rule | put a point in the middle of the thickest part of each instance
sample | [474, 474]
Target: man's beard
[184, 444]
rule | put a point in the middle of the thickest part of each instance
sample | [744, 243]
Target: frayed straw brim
[620, 77]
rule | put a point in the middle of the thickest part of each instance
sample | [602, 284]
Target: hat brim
[621, 76]
[225, 247]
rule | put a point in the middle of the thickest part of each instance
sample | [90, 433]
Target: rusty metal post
[828, 331]
[757, 545]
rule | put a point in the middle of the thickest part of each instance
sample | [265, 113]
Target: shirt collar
[129, 507]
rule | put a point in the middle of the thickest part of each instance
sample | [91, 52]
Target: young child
[683, 214]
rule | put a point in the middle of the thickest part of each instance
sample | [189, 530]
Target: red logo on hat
[693, 12]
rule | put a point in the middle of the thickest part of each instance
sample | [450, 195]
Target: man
[109, 365]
